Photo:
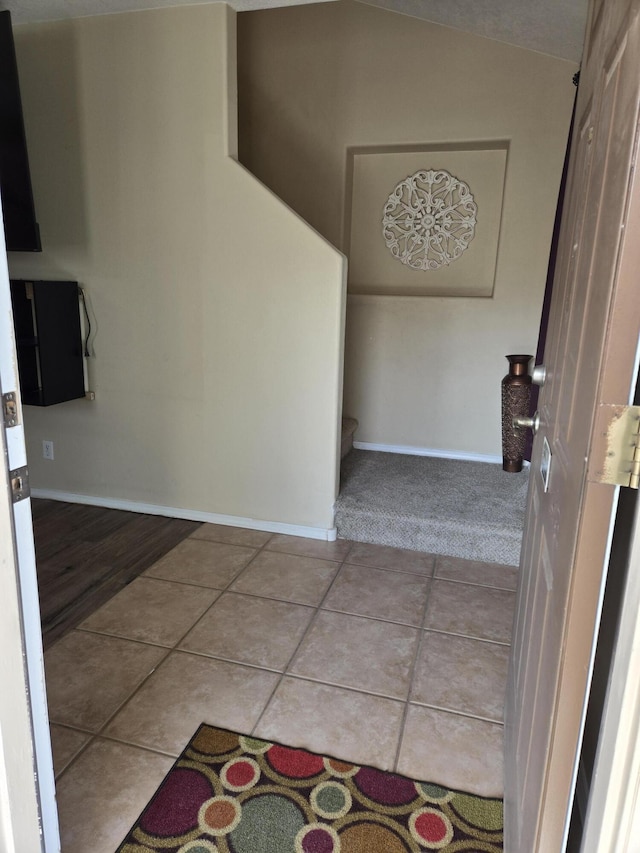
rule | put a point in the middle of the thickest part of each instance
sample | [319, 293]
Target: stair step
[451, 507]
[349, 426]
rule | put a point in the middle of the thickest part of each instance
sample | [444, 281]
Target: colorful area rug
[228, 793]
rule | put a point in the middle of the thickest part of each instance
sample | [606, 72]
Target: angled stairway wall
[218, 313]
[324, 86]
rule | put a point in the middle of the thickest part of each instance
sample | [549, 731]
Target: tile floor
[373, 654]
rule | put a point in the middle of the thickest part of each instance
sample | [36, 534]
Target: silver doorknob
[532, 423]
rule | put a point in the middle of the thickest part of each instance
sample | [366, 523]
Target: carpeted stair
[463, 509]
[349, 426]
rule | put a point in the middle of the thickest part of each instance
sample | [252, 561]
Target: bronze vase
[516, 395]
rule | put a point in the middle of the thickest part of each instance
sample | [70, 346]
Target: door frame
[612, 823]
[19, 800]
[28, 812]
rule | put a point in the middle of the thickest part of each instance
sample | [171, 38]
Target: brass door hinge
[616, 450]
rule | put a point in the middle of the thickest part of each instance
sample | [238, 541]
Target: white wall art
[429, 219]
[437, 233]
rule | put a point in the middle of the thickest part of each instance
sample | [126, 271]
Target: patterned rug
[228, 793]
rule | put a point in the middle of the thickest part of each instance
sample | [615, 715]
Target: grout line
[81, 749]
[72, 728]
[477, 584]
[150, 749]
[135, 691]
[238, 574]
[146, 577]
[437, 578]
[295, 556]
[125, 701]
[236, 544]
[312, 622]
[349, 687]
[74, 757]
[112, 739]
[242, 594]
[332, 559]
[359, 690]
[233, 661]
[351, 543]
[412, 672]
[457, 713]
[506, 643]
[387, 621]
[428, 574]
[169, 646]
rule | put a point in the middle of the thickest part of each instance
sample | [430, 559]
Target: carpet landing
[472, 510]
[233, 794]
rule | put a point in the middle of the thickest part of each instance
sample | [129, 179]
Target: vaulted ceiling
[555, 27]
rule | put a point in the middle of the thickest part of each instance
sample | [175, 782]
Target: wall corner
[231, 85]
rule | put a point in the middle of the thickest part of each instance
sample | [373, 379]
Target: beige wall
[313, 81]
[218, 312]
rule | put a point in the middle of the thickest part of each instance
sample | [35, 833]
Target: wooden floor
[86, 554]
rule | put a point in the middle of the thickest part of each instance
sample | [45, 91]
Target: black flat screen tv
[20, 227]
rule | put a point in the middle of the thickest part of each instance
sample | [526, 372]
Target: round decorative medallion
[429, 219]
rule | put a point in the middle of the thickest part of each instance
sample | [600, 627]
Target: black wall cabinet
[46, 317]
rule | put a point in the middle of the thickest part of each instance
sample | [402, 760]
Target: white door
[590, 358]
[28, 815]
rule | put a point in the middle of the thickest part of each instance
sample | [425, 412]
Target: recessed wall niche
[372, 175]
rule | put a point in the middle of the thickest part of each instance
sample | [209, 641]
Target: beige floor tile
[472, 571]
[366, 591]
[251, 630]
[188, 690]
[350, 651]
[304, 547]
[231, 535]
[332, 721]
[459, 674]
[65, 745]
[203, 563]
[454, 751]
[397, 559]
[152, 611]
[473, 611]
[302, 580]
[103, 792]
[89, 676]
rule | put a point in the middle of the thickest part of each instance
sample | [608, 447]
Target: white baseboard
[408, 450]
[326, 534]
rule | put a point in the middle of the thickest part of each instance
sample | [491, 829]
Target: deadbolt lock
[539, 375]
[19, 480]
[10, 409]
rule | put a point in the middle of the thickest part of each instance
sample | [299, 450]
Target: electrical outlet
[47, 450]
